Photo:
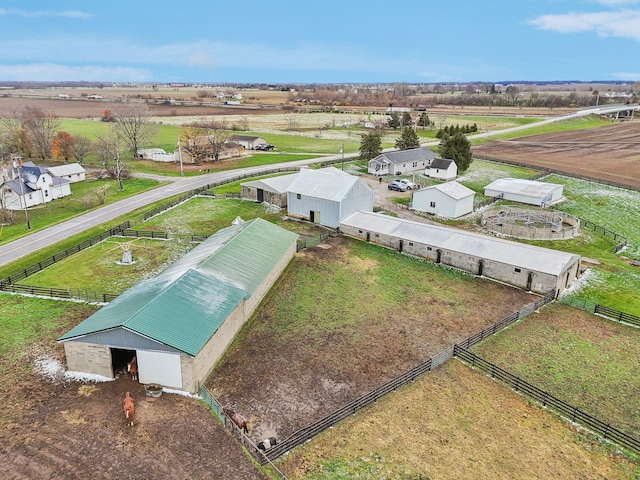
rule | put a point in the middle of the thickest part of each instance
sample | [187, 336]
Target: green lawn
[587, 361]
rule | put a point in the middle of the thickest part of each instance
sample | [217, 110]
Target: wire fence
[574, 414]
[601, 310]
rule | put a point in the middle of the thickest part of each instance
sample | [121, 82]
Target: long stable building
[179, 323]
[532, 268]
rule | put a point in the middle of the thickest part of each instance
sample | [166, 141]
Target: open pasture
[343, 318]
[583, 359]
[454, 423]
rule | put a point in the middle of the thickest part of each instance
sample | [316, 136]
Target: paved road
[44, 238]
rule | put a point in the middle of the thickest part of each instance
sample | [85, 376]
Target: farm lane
[47, 237]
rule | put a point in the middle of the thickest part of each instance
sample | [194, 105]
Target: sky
[346, 41]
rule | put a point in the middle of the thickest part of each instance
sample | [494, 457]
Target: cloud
[620, 23]
[633, 77]
[5, 12]
[57, 72]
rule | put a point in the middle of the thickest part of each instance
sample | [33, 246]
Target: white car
[407, 183]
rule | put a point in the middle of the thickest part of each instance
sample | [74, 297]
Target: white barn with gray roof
[327, 195]
[448, 200]
[525, 191]
[532, 268]
[401, 162]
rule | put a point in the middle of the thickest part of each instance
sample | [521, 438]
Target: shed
[442, 169]
[532, 268]
[179, 323]
[327, 195]
[271, 190]
[74, 172]
[401, 162]
[247, 141]
[525, 191]
[448, 200]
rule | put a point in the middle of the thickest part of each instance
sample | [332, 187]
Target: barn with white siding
[327, 195]
[530, 192]
[532, 268]
[448, 200]
[179, 323]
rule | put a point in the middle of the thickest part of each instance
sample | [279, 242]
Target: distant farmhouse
[247, 141]
[525, 191]
[31, 185]
[401, 162]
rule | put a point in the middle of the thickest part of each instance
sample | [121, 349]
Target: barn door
[260, 195]
[159, 367]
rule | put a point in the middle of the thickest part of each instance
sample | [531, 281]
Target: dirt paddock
[77, 431]
[609, 153]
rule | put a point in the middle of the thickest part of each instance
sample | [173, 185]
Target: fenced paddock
[602, 310]
[531, 224]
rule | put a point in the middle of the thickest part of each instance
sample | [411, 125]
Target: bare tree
[42, 127]
[83, 147]
[15, 137]
[107, 148]
[133, 125]
[193, 140]
[217, 136]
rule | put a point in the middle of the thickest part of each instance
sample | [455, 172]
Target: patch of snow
[52, 369]
[86, 377]
[181, 392]
[589, 276]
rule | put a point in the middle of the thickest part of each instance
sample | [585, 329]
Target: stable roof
[185, 304]
[519, 186]
[328, 183]
[278, 184]
[454, 190]
[443, 163]
[530, 257]
[68, 169]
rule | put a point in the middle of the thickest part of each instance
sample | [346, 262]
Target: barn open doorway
[119, 359]
[260, 195]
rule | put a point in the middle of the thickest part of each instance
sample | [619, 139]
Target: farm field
[608, 152]
[580, 358]
[453, 423]
[343, 318]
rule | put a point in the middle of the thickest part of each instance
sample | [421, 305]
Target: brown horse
[128, 409]
[236, 418]
[132, 368]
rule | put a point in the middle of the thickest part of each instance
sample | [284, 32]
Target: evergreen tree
[408, 139]
[456, 147]
[394, 120]
[370, 145]
[406, 120]
[424, 121]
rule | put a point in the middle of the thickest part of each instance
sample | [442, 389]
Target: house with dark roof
[401, 162]
[442, 169]
[31, 185]
[179, 323]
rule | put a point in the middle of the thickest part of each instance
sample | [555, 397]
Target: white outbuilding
[448, 200]
[532, 268]
[530, 192]
[442, 169]
[327, 195]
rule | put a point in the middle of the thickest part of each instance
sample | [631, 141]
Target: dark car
[397, 186]
[264, 146]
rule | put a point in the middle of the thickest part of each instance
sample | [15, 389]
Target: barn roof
[328, 183]
[184, 305]
[519, 186]
[68, 169]
[530, 257]
[404, 156]
[454, 190]
[441, 163]
[278, 184]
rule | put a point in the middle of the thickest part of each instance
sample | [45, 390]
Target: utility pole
[180, 157]
[342, 152]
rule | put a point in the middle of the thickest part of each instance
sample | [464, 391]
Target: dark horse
[236, 418]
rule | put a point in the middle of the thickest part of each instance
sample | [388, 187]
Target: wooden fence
[145, 234]
[605, 430]
[602, 310]
[310, 242]
[410, 375]
[76, 294]
[36, 267]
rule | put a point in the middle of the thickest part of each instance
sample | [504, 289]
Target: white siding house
[525, 191]
[532, 268]
[401, 162]
[327, 195]
[442, 169]
[247, 141]
[448, 200]
[74, 172]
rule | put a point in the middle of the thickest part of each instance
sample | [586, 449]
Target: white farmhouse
[448, 200]
[525, 191]
[401, 162]
[327, 195]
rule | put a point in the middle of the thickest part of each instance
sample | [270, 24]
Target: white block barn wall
[88, 358]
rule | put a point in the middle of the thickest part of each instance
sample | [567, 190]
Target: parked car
[408, 183]
[398, 186]
[264, 146]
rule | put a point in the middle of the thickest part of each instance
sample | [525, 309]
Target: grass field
[585, 360]
[453, 423]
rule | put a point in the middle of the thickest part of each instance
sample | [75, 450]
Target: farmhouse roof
[518, 186]
[530, 257]
[246, 138]
[404, 156]
[19, 186]
[454, 190]
[68, 169]
[184, 305]
[328, 183]
[443, 163]
[278, 184]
